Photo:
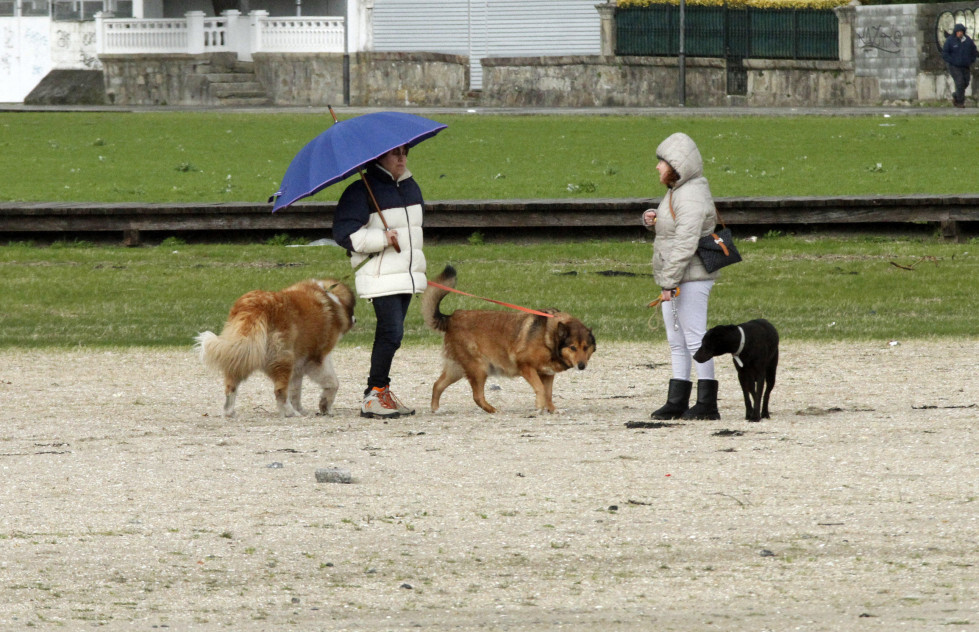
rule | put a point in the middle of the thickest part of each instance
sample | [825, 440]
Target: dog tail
[234, 353]
[433, 296]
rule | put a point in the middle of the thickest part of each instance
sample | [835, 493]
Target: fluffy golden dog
[480, 343]
[286, 335]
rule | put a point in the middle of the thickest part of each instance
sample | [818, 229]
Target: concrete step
[230, 77]
[238, 101]
[244, 89]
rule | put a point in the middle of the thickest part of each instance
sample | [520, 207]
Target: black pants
[960, 77]
[390, 312]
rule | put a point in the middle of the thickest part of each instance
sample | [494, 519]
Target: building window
[86, 9]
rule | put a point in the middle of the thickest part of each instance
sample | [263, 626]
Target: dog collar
[737, 359]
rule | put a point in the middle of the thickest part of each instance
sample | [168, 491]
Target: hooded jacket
[959, 52]
[380, 270]
[675, 259]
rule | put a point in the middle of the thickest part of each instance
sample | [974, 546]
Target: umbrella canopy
[347, 146]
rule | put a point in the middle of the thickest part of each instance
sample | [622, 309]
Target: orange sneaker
[379, 404]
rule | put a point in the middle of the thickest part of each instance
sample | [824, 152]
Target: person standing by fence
[959, 54]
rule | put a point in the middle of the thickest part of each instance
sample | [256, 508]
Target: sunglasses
[399, 151]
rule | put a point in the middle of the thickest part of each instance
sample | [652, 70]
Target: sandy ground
[129, 503]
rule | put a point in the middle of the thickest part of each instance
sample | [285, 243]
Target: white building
[37, 36]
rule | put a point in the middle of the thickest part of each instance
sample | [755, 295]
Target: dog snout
[582, 365]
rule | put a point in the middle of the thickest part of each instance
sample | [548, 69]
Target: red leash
[522, 309]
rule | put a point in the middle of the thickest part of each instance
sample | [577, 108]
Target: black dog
[754, 345]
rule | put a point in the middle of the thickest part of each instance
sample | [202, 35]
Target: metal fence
[729, 33]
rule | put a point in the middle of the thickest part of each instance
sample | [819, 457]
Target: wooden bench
[132, 219]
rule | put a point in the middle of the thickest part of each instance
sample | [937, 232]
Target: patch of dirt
[130, 503]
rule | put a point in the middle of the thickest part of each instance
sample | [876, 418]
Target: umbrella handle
[377, 207]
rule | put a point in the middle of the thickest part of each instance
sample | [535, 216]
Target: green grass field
[218, 157]
[820, 289]
[812, 289]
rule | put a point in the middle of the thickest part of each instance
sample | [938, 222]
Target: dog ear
[562, 333]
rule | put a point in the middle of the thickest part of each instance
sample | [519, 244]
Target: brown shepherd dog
[480, 343]
[287, 335]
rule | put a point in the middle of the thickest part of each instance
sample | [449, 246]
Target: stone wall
[376, 79]
[161, 79]
[595, 80]
[779, 83]
[300, 79]
[403, 79]
[886, 46]
[653, 82]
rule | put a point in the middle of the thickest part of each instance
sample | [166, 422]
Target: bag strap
[720, 242]
[716, 212]
[717, 240]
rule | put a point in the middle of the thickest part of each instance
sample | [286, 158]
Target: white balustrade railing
[129, 36]
[301, 35]
[231, 32]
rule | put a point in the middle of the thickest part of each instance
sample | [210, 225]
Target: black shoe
[706, 406]
[677, 400]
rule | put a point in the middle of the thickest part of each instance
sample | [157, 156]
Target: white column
[237, 40]
[195, 32]
[358, 25]
[99, 41]
[255, 29]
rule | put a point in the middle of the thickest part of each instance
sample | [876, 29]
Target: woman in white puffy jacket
[389, 263]
[684, 215]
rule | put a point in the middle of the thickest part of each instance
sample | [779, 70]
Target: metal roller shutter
[487, 28]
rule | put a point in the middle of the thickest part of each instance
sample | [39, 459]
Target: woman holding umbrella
[379, 221]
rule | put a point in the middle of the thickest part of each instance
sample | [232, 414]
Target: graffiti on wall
[25, 55]
[948, 19]
[74, 45]
[885, 39]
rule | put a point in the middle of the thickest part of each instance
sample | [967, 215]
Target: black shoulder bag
[717, 249]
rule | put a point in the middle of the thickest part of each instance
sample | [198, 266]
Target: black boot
[677, 400]
[706, 406]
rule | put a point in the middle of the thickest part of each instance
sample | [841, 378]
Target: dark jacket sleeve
[352, 212]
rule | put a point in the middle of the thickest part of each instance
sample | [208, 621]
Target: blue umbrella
[344, 148]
